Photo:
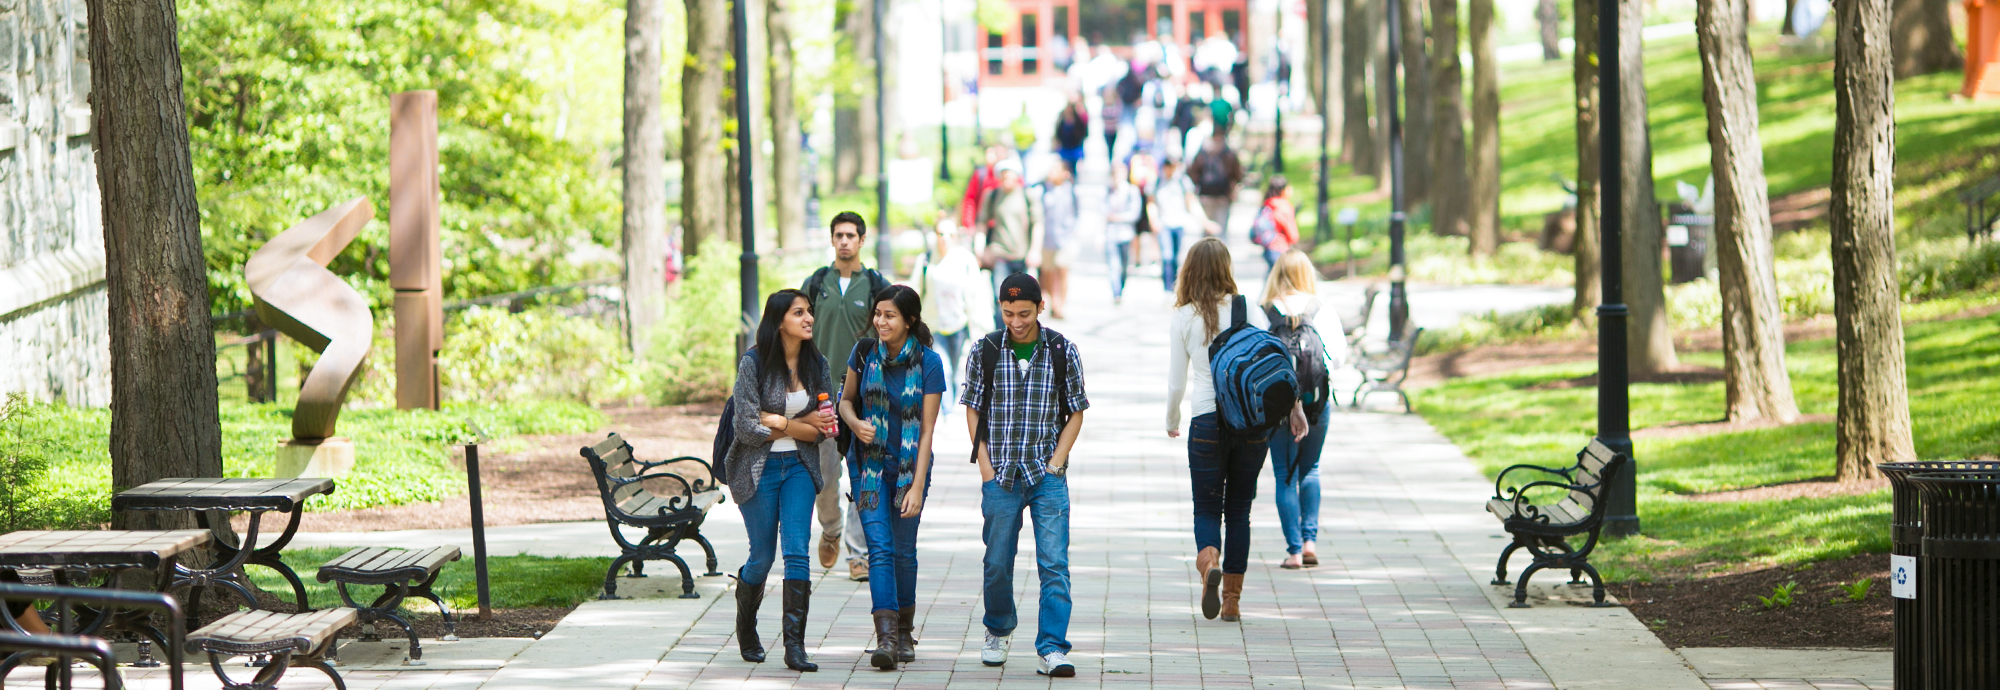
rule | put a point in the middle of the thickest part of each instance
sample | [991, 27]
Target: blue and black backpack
[1255, 384]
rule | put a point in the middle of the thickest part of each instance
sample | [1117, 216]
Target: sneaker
[995, 651]
[1056, 665]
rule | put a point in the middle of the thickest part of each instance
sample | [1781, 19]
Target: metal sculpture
[414, 254]
[297, 295]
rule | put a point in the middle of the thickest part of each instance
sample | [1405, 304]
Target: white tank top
[795, 403]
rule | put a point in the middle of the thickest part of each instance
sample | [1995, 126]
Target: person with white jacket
[1291, 295]
[955, 297]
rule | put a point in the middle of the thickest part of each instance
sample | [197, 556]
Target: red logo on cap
[1013, 292]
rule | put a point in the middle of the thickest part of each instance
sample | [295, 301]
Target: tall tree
[1418, 110]
[645, 169]
[1650, 336]
[787, 194]
[1357, 139]
[1316, 25]
[1921, 38]
[1384, 74]
[1753, 327]
[1873, 425]
[1447, 151]
[1549, 14]
[1485, 211]
[1589, 288]
[164, 416]
[704, 177]
[854, 127]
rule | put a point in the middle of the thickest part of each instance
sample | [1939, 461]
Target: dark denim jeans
[1118, 258]
[1295, 464]
[1170, 254]
[1048, 503]
[1224, 469]
[783, 507]
[892, 545]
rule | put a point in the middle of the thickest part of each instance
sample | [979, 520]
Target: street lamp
[1613, 379]
[884, 253]
[745, 160]
[1399, 298]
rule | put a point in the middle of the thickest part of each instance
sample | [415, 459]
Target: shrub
[692, 357]
[24, 468]
[493, 355]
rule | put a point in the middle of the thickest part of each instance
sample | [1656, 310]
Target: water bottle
[832, 429]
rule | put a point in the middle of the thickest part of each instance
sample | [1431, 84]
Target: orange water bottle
[832, 429]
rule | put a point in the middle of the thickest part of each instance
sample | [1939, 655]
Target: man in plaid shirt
[1023, 458]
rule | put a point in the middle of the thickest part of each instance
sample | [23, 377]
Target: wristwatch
[1062, 471]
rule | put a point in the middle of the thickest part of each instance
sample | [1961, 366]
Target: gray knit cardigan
[755, 397]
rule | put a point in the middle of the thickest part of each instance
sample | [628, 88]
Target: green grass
[400, 455]
[1501, 420]
[515, 581]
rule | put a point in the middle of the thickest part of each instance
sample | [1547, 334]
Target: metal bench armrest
[699, 484]
[1500, 481]
[1519, 494]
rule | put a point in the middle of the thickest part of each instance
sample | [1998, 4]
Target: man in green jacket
[842, 296]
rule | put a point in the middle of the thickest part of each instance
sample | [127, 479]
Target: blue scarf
[877, 403]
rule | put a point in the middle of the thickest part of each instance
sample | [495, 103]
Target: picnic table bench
[667, 498]
[1544, 528]
[401, 573]
[302, 638]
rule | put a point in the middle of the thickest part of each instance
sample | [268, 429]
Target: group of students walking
[797, 413]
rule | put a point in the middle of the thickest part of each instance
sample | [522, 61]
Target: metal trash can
[1906, 536]
[1959, 575]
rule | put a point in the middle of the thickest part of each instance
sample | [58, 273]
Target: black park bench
[667, 498]
[1545, 528]
[1384, 371]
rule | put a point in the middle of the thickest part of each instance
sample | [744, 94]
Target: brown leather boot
[829, 549]
[1211, 578]
[906, 634]
[1232, 595]
[883, 656]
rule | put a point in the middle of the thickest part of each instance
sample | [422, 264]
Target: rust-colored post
[414, 255]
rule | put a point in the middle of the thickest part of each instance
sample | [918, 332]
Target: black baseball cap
[1020, 287]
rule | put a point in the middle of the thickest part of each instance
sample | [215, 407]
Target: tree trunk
[1316, 53]
[704, 180]
[645, 171]
[1384, 66]
[787, 194]
[854, 155]
[1874, 420]
[1357, 142]
[1550, 17]
[1589, 285]
[1418, 111]
[164, 415]
[1920, 35]
[1753, 325]
[1447, 152]
[1484, 215]
[1650, 337]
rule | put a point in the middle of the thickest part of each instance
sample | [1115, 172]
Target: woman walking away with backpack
[1291, 302]
[773, 469]
[1277, 226]
[1223, 464]
[895, 383]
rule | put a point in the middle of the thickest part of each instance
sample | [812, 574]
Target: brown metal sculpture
[414, 254]
[297, 295]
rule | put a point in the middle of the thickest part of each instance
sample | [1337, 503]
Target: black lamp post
[944, 75]
[884, 253]
[745, 160]
[1613, 379]
[1399, 297]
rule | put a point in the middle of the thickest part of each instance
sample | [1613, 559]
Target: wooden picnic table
[255, 496]
[74, 554]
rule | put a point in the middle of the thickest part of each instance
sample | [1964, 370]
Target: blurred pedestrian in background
[1175, 209]
[1072, 130]
[1277, 226]
[1122, 207]
[1216, 172]
[1059, 216]
[954, 299]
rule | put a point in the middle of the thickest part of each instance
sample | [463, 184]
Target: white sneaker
[995, 651]
[1056, 665]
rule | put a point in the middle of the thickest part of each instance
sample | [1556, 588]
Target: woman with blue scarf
[890, 401]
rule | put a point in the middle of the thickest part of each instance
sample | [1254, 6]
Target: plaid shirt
[1022, 424]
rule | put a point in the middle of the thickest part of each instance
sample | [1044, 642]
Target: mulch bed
[1723, 611]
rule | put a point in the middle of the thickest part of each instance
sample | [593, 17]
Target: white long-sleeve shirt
[950, 302]
[1187, 346]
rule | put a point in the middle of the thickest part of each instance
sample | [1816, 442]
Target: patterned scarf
[877, 401]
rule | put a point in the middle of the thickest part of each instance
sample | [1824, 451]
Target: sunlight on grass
[516, 581]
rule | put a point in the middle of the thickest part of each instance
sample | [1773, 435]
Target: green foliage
[1546, 321]
[288, 104]
[24, 466]
[1858, 590]
[516, 581]
[400, 455]
[693, 353]
[497, 356]
[1781, 596]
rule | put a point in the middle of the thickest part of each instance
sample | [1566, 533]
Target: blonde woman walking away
[1291, 303]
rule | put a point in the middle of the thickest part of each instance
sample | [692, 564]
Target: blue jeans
[1116, 256]
[1001, 269]
[1048, 503]
[1170, 254]
[892, 544]
[1295, 464]
[951, 349]
[1224, 469]
[783, 506]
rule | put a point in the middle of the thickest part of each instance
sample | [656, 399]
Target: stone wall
[54, 340]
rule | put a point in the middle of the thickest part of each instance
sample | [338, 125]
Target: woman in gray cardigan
[773, 468]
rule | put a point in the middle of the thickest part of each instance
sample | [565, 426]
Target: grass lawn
[517, 581]
[1501, 420]
[400, 455]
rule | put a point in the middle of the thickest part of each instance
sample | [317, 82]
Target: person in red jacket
[1277, 225]
[983, 179]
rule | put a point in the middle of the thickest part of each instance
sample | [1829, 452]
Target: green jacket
[839, 317]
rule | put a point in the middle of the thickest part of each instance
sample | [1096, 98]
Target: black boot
[906, 634]
[798, 594]
[748, 598]
[883, 656]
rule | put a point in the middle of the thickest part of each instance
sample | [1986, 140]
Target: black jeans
[1224, 469]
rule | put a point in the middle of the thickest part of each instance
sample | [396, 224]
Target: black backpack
[1211, 176]
[989, 359]
[725, 436]
[1131, 88]
[1308, 359]
[815, 287]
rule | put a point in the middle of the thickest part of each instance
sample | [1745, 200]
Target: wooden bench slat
[255, 628]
